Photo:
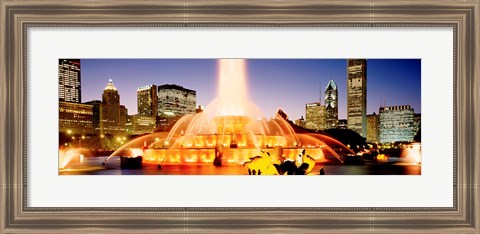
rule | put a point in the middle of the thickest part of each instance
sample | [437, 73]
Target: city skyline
[231, 130]
[273, 83]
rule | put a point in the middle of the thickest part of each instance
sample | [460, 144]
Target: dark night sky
[273, 83]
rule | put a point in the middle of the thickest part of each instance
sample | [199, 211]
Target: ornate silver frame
[17, 16]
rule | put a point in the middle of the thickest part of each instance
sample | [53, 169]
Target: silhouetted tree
[418, 136]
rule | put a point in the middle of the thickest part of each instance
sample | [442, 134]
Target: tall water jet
[232, 94]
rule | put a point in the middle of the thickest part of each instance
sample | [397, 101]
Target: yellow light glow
[381, 157]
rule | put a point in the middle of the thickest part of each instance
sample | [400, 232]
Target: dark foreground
[93, 166]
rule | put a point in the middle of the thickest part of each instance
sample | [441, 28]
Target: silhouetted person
[217, 161]
[322, 172]
[254, 172]
[289, 167]
[302, 169]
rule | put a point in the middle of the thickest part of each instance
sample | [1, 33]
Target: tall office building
[140, 124]
[96, 105]
[174, 101]
[315, 116]
[109, 117]
[69, 88]
[75, 118]
[396, 124]
[331, 105]
[147, 100]
[372, 128]
[357, 96]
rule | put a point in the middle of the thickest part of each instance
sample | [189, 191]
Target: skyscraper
[331, 105]
[315, 116]
[372, 128]
[140, 124]
[109, 116]
[69, 89]
[147, 100]
[175, 101]
[357, 96]
[396, 124]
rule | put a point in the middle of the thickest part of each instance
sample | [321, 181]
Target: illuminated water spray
[67, 156]
[413, 153]
[232, 96]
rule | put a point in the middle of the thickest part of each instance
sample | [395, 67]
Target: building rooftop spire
[332, 84]
[110, 85]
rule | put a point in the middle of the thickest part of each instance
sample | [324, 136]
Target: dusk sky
[272, 83]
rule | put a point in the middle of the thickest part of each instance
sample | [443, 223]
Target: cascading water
[67, 156]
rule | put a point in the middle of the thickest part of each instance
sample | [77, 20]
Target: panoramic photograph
[233, 116]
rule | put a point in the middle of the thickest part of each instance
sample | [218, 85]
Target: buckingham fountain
[231, 131]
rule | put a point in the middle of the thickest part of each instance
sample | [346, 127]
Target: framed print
[154, 116]
[171, 133]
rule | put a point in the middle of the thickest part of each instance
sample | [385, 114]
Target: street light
[80, 141]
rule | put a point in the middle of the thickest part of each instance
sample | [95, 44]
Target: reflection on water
[93, 166]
